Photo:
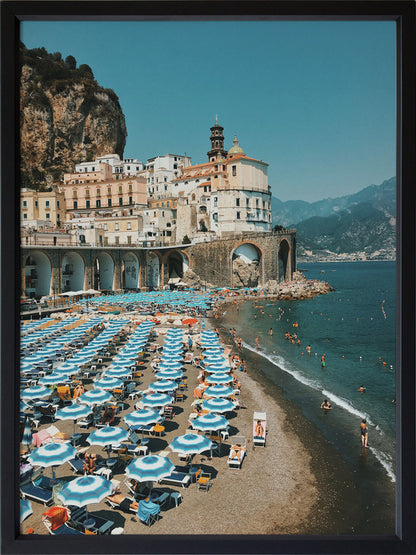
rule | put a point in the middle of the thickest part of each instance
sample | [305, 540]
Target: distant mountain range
[357, 226]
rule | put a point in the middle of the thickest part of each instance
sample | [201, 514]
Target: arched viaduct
[57, 269]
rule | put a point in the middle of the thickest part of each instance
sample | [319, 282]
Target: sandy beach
[274, 492]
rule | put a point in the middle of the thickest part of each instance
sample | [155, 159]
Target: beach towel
[146, 509]
[41, 437]
[56, 516]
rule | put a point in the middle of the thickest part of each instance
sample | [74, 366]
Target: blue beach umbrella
[85, 490]
[73, 412]
[107, 435]
[108, 383]
[150, 468]
[52, 454]
[189, 444]
[95, 397]
[25, 509]
[214, 359]
[156, 400]
[163, 385]
[27, 434]
[142, 417]
[35, 392]
[170, 365]
[54, 379]
[169, 375]
[218, 405]
[219, 378]
[210, 422]
[218, 391]
[119, 373]
[217, 368]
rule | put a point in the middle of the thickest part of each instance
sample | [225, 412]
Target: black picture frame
[403, 13]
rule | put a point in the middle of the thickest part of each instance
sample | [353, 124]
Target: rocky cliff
[66, 117]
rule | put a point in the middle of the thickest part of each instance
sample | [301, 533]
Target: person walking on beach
[364, 433]
[190, 343]
[239, 343]
[257, 343]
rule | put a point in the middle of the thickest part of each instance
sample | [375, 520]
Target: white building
[127, 166]
[160, 171]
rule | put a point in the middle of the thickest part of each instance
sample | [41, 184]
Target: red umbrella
[190, 321]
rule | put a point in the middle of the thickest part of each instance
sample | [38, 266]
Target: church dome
[236, 148]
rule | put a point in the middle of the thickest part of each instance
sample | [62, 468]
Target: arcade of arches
[224, 263]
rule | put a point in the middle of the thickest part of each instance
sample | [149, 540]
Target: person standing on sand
[364, 433]
[257, 343]
[239, 343]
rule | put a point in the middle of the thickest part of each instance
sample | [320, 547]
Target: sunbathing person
[123, 502]
[236, 452]
[90, 463]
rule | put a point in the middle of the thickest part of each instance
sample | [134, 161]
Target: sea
[354, 326]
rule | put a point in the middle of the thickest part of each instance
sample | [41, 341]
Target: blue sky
[315, 100]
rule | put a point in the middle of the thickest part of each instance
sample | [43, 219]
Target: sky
[315, 100]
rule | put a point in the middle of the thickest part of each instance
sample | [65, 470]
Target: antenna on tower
[216, 118]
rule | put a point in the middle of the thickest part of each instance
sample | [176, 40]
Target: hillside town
[166, 201]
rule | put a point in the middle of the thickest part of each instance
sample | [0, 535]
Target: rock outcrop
[245, 274]
[65, 117]
[297, 289]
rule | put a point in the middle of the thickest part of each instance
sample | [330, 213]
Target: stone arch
[130, 271]
[37, 271]
[247, 261]
[73, 272]
[104, 272]
[152, 270]
[284, 260]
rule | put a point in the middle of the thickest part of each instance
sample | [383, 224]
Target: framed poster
[317, 97]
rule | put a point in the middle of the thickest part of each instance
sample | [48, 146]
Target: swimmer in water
[326, 405]
[323, 360]
[271, 331]
[361, 389]
[308, 349]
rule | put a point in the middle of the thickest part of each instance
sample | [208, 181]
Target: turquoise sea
[355, 327]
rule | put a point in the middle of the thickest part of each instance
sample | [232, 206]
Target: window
[116, 226]
[87, 193]
[47, 203]
[120, 201]
[98, 203]
[120, 190]
[130, 200]
[128, 225]
[237, 201]
[36, 203]
[234, 170]
[74, 194]
[247, 202]
[117, 240]
[129, 239]
[25, 216]
[24, 204]
[257, 202]
[75, 204]
[105, 227]
[108, 190]
[215, 217]
[88, 204]
[57, 203]
[175, 166]
[109, 202]
[238, 216]
[48, 216]
[130, 188]
[98, 192]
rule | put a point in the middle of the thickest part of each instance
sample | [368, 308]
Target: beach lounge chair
[55, 520]
[148, 512]
[79, 515]
[259, 429]
[123, 502]
[236, 456]
[203, 482]
[177, 479]
[86, 422]
[38, 488]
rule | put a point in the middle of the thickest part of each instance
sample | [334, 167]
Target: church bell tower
[217, 143]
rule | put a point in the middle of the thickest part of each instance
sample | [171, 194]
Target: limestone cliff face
[66, 117]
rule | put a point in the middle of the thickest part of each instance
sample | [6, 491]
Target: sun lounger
[39, 490]
[177, 479]
[120, 501]
[101, 526]
[236, 461]
[55, 520]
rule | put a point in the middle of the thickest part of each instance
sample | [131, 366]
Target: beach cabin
[259, 429]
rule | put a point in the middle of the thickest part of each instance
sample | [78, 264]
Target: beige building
[228, 195]
[100, 198]
[42, 209]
